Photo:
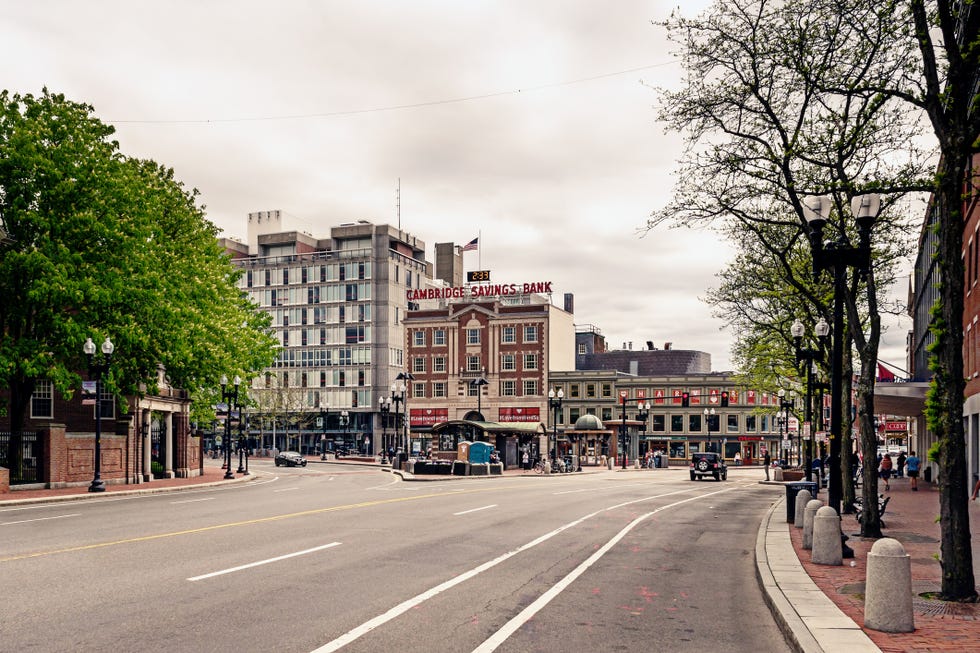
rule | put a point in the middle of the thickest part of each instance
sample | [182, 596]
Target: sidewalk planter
[793, 475]
[460, 468]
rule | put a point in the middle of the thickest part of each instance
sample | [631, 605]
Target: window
[530, 361]
[694, 423]
[530, 333]
[418, 365]
[439, 364]
[677, 423]
[733, 423]
[508, 388]
[750, 423]
[508, 362]
[606, 414]
[573, 391]
[472, 336]
[607, 390]
[581, 349]
[590, 390]
[473, 364]
[439, 338]
[508, 335]
[107, 402]
[574, 414]
[472, 389]
[418, 338]
[659, 423]
[42, 401]
[438, 389]
[418, 390]
[530, 387]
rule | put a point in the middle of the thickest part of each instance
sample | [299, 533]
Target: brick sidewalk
[911, 519]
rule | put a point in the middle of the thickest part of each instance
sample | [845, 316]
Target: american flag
[470, 246]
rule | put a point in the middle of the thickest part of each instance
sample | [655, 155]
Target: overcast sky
[530, 123]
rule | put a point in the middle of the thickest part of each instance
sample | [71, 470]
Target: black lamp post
[345, 423]
[809, 357]
[642, 413]
[323, 431]
[384, 407]
[478, 385]
[837, 256]
[554, 403]
[784, 407]
[399, 395]
[98, 370]
[229, 398]
[709, 418]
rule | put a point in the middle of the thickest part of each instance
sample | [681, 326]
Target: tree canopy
[105, 245]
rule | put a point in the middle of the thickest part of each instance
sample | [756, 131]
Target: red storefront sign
[427, 416]
[895, 426]
[749, 438]
[519, 414]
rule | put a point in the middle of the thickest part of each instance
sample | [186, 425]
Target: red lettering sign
[520, 414]
[427, 416]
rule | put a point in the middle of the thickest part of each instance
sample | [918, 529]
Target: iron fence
[31, 446]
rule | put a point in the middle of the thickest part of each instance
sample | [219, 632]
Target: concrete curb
[811, 622]
[65, 498]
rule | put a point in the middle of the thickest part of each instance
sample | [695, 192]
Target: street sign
[786, 445]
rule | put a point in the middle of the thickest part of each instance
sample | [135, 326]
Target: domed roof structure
[589, 423]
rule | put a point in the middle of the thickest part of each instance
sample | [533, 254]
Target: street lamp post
[642, 414]
[478, 384]
[98, 370]
[709, 414]
[384, 406]
[323, 433]
[402, 399]
[242, 443]
[345, 422]
[784, 407]
[229, 398]
[554, 403]
[837, 257]
[809, 357]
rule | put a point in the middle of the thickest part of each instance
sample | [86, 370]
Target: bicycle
[539, 467]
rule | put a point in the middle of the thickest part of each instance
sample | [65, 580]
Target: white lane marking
[173, 503]
[286, 489]
[408, 604]
[263, 562]
[466, 512]
[25, 521]
[597, 489]
[528, 613]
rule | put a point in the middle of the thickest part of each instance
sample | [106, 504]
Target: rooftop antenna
[398, 203]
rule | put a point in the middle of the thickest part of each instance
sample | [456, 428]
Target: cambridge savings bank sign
[476, 292]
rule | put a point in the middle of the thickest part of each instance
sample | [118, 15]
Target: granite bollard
[888, 593]
[826, 538]
[808, 514]
[802, 498]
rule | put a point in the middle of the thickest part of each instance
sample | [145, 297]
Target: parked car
[290, 459]
[708, 463]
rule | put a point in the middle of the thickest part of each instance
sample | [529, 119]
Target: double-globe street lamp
[643, 413]
[809, 357]
[229, 398]
[709, 422]
[384, 407]
[399, 397]
[554, 403]
[323, 431]
[785, 405]
[98, 370]
[837, 256]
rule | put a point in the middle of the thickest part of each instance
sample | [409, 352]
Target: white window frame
[530, 387]
[530, 333]
[418, 338]
[508, 388]
[473, 336]
[439, 338]
[508, 363]
[418, 365]
[508, 335]
[530, 361]
[43, 391]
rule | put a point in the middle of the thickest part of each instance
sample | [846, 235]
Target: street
[332, 557]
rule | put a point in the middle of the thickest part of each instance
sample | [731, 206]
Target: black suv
[708, 463]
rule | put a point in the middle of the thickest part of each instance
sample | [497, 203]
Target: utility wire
[396, 107]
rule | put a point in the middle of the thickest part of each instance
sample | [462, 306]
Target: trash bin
[792, 489]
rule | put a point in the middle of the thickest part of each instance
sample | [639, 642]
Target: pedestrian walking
[885, 470]
[526, 461]
[900, 464]
[766, 462]
[912, 464]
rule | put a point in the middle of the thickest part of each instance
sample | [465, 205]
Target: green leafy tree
[105, 245]
[830, 97]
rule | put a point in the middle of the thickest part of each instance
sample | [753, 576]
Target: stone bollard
[826, 538]
[808, 513]
[802, 498]
[777, 474]
[888, 588]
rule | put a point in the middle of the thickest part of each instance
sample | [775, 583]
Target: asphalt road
[334, 557]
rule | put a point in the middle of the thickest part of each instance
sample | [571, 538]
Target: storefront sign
[475, 292]
[895, 426]
[427, 416]
[519, 414]
[749, 438]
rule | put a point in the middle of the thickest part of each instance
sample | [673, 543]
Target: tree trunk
[20, 395]
[945, 403]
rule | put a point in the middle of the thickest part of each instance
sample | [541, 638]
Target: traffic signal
[685, 399]
[724, 397]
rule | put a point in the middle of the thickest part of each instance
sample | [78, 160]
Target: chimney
[569, 303]
[650, 345]
[667, 346]
[631, 345]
